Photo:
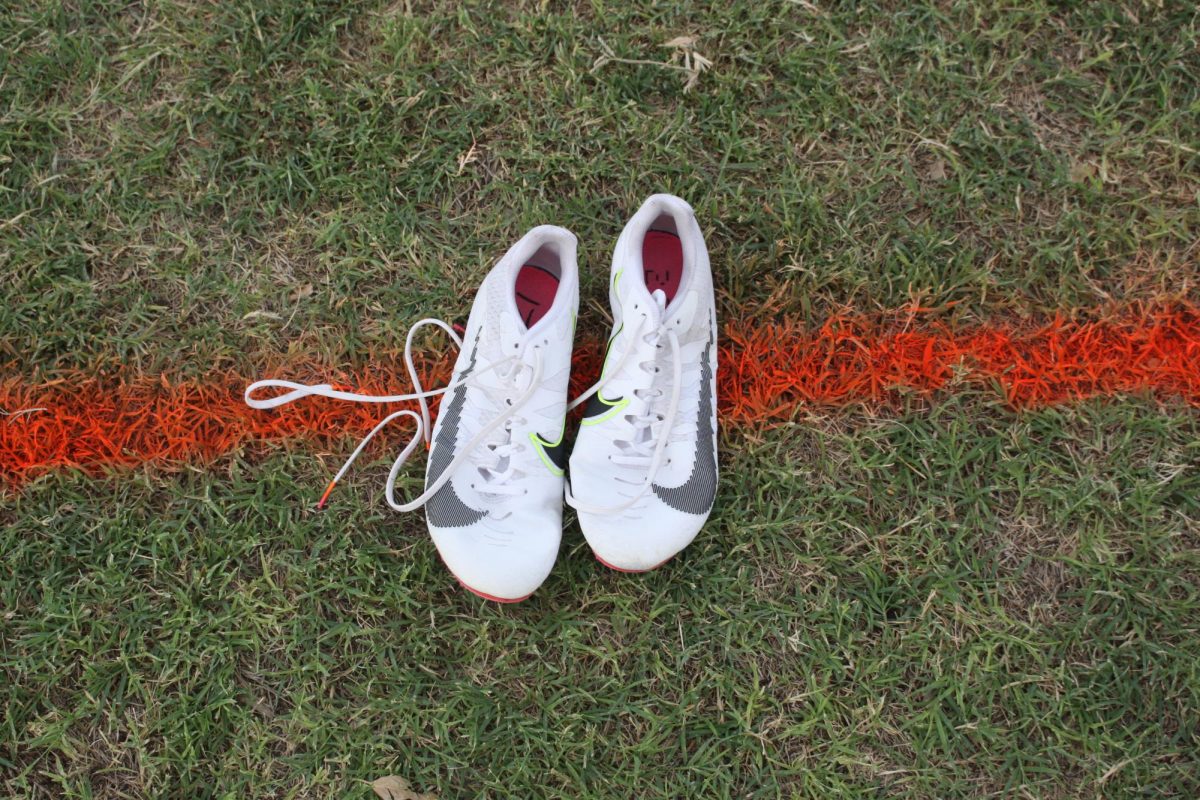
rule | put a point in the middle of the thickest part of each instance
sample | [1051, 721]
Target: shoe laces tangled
[494, 460]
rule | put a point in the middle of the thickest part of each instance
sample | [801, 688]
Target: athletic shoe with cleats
[643, 471]
[494, 480]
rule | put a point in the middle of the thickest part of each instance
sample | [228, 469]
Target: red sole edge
[491, 597]
[475, 591]
[615, 568]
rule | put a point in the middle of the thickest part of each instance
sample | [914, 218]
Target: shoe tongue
[660, 301]
[660, 305]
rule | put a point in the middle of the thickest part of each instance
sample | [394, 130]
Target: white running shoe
[644, 466]
[494, 481]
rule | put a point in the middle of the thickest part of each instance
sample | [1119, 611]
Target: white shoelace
[636, 451]
[499, 479]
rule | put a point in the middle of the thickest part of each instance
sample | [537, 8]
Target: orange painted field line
[767, 373]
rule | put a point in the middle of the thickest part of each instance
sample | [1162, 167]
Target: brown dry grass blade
[393, 787]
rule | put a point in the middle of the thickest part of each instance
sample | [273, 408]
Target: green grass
[953, 603]
[180, 166]
[945, 600]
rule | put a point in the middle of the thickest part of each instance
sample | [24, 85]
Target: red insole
[662, 262]
[536, 287]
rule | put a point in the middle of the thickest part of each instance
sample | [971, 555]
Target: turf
[932, 599]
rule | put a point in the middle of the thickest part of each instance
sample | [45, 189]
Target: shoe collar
[628, 257]
[514, 334]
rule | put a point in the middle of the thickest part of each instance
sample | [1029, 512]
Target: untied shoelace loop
[422, 426]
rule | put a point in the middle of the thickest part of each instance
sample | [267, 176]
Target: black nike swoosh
[696, 495]
[597, 405]
[557, 453]
[446, 509]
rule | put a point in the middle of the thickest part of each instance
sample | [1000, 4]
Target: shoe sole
[615, 568]
[491, 597]
[510, 600]
[478, 593]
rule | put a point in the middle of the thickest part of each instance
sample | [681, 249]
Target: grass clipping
[393, 787]
[684, 58]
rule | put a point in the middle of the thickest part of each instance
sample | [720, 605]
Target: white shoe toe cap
[497, 567]
[631, 546]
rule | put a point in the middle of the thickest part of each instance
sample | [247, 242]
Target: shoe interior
[537, 283]
[662, 257]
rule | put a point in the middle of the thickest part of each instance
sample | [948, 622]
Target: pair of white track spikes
[643, 469]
